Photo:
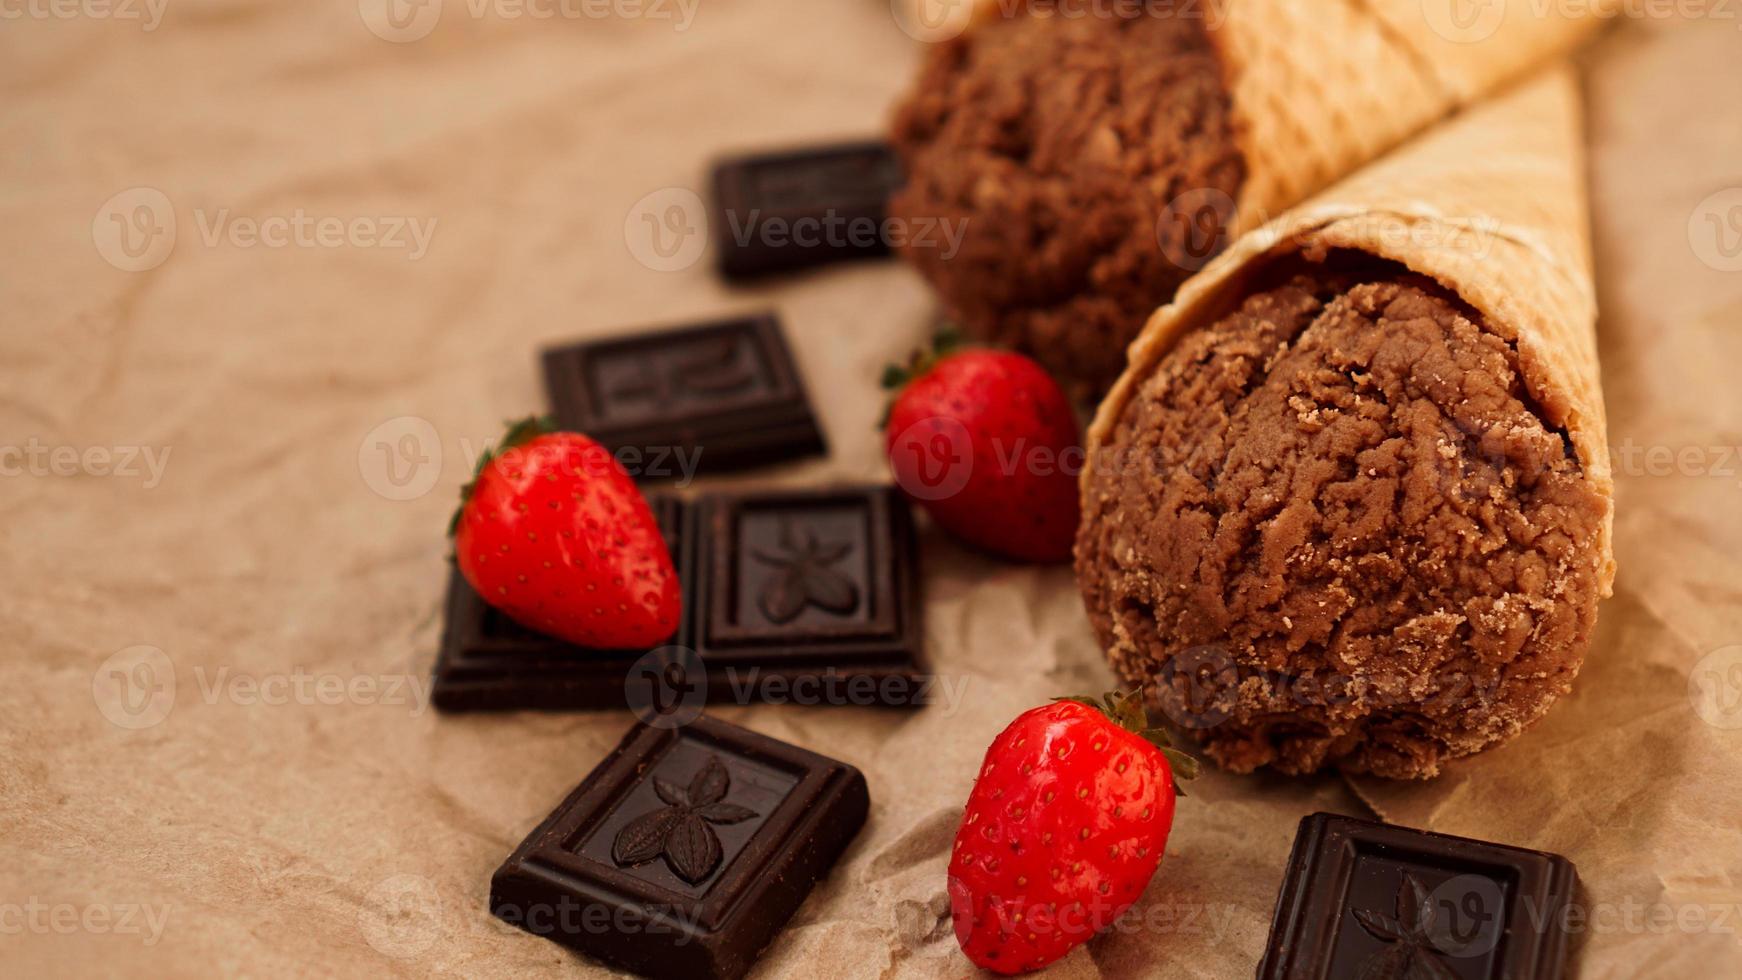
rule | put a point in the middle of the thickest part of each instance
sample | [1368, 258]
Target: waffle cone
[1320, 87]
[1492, 206]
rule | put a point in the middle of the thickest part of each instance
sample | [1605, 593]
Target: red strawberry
[987, 443]
[1063, 830]
[554, 533]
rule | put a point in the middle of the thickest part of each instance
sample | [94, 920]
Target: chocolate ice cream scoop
[1354, 536]
[1095, 155]
[1350, 502]
[1058, 145]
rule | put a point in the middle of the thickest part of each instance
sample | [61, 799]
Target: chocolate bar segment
[790, 596]
[685, 852]
[706, 398]
[489, 662]
[778, 212]
[799, 589]
[1365, 899]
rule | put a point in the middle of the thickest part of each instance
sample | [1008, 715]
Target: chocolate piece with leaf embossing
[1372, 900]
[685, 851]
[679, 831]
[801, 589]
[791, 596]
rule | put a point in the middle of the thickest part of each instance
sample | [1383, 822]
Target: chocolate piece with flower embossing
[1377, 901]
[685, 851]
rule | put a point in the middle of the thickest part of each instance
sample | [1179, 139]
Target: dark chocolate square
[489, 662]
[727, 390]
[685, 852]
[810, 584]
[777, 212]
[1370, 899]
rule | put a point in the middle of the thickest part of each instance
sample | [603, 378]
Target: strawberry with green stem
[987, 443]
[1063, 830]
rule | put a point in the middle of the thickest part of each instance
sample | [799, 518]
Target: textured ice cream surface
[1331, 529]
[1091, 162]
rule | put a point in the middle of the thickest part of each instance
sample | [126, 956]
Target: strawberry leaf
[1183, 766]
[1125, 709]
[1157, 737]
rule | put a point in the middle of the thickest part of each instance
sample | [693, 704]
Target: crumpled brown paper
[273, 546]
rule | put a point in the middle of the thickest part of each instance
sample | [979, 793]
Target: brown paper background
[359, 837]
